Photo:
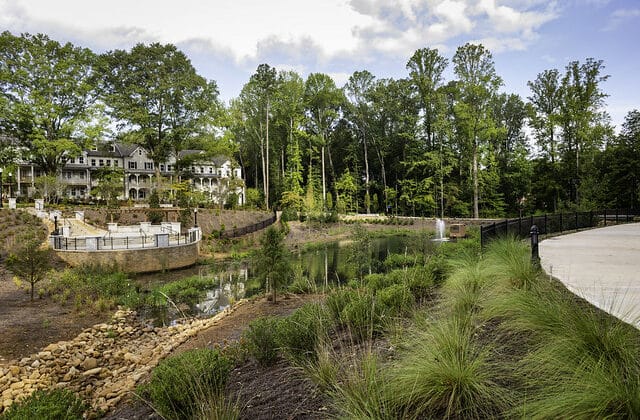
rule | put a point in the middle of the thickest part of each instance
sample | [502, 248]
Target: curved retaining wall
[136, 260]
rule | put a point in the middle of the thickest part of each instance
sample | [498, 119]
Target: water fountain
[440, 229]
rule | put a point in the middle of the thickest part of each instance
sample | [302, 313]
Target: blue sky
[227, 39]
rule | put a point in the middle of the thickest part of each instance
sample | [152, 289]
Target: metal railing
[554, 223]
[61, 243]
[234, 233]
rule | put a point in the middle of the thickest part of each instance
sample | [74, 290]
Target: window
[101, 162]
[108, 162]
[148, 165]
[93, 162]
[66, 175]
[139, 152]
[169, 168]
[81, 175]
[210, 170]
[81, 160]
[133, 165]
[115, 163]
[161, 167]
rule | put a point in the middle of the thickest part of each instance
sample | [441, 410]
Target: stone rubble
[103, 363]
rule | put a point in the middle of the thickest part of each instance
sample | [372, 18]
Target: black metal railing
[555, 223]
[234, 233]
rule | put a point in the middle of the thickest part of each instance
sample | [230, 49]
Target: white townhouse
[208, 175]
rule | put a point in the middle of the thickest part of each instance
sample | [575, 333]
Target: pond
[325, 265]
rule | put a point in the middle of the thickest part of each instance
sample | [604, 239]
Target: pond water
[232, 281]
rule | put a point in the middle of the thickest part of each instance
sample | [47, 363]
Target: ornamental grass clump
[587, 365]
[446, 374]
[300, 332]
[181, 384]
[261, 340]
[47, 404]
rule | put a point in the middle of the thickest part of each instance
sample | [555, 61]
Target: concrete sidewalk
[601, 265]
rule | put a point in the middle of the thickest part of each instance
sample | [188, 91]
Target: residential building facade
[215, 177]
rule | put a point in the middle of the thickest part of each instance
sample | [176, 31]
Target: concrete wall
[136, 260]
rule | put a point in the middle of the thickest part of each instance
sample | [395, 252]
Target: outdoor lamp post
[10, 182]
[55, 225]
[0, 188]
[535, 255]
[195, 217]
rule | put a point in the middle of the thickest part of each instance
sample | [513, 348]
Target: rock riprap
[102, 364]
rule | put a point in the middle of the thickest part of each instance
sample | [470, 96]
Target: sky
[227, 39]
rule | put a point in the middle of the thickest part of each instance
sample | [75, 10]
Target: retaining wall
[136, 260]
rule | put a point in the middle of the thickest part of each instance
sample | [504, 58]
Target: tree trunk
[324, 185]
[476, 212]
[266, 180]
[366, 172]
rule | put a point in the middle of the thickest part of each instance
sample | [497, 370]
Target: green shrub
[300, 332]
[378, 281]
[51, 404]
[421, 282]
[394, 261]
[262, 340]
[363, 316]
[180, 382]
[395, 300]
[338, 300]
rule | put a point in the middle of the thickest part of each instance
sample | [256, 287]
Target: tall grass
[447, 375]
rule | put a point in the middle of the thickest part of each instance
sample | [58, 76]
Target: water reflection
[232, 281]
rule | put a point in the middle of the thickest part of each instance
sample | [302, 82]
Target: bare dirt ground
[26, 327]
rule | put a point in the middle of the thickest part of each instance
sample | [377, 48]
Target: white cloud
[620, 17]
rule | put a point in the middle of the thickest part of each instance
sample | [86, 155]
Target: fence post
[561, 223]
[576, 220]
[605, 217]
[616, 215]
[591, 218]
[535, 255]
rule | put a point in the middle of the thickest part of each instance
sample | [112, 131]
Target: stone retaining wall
[102, 364]
[136, 260]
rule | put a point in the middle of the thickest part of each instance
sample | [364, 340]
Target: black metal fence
[234, 233]
[555, 223]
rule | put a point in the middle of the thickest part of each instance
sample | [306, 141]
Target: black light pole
[55, 225]
[0, 188]
[195, 217]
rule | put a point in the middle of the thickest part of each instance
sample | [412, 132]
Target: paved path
[601, 265]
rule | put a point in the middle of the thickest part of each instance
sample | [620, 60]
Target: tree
[30, 260]
[478, 82]
[156, 97]
[323, 100]
[50, 188]
[584, 124]
[426, 68]
[265, 80]
[358, 89]
[273, 259]
[110, 185]
[545, 100]
[48, 92]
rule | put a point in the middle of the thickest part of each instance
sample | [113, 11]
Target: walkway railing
[102, 243]
[554, 223]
